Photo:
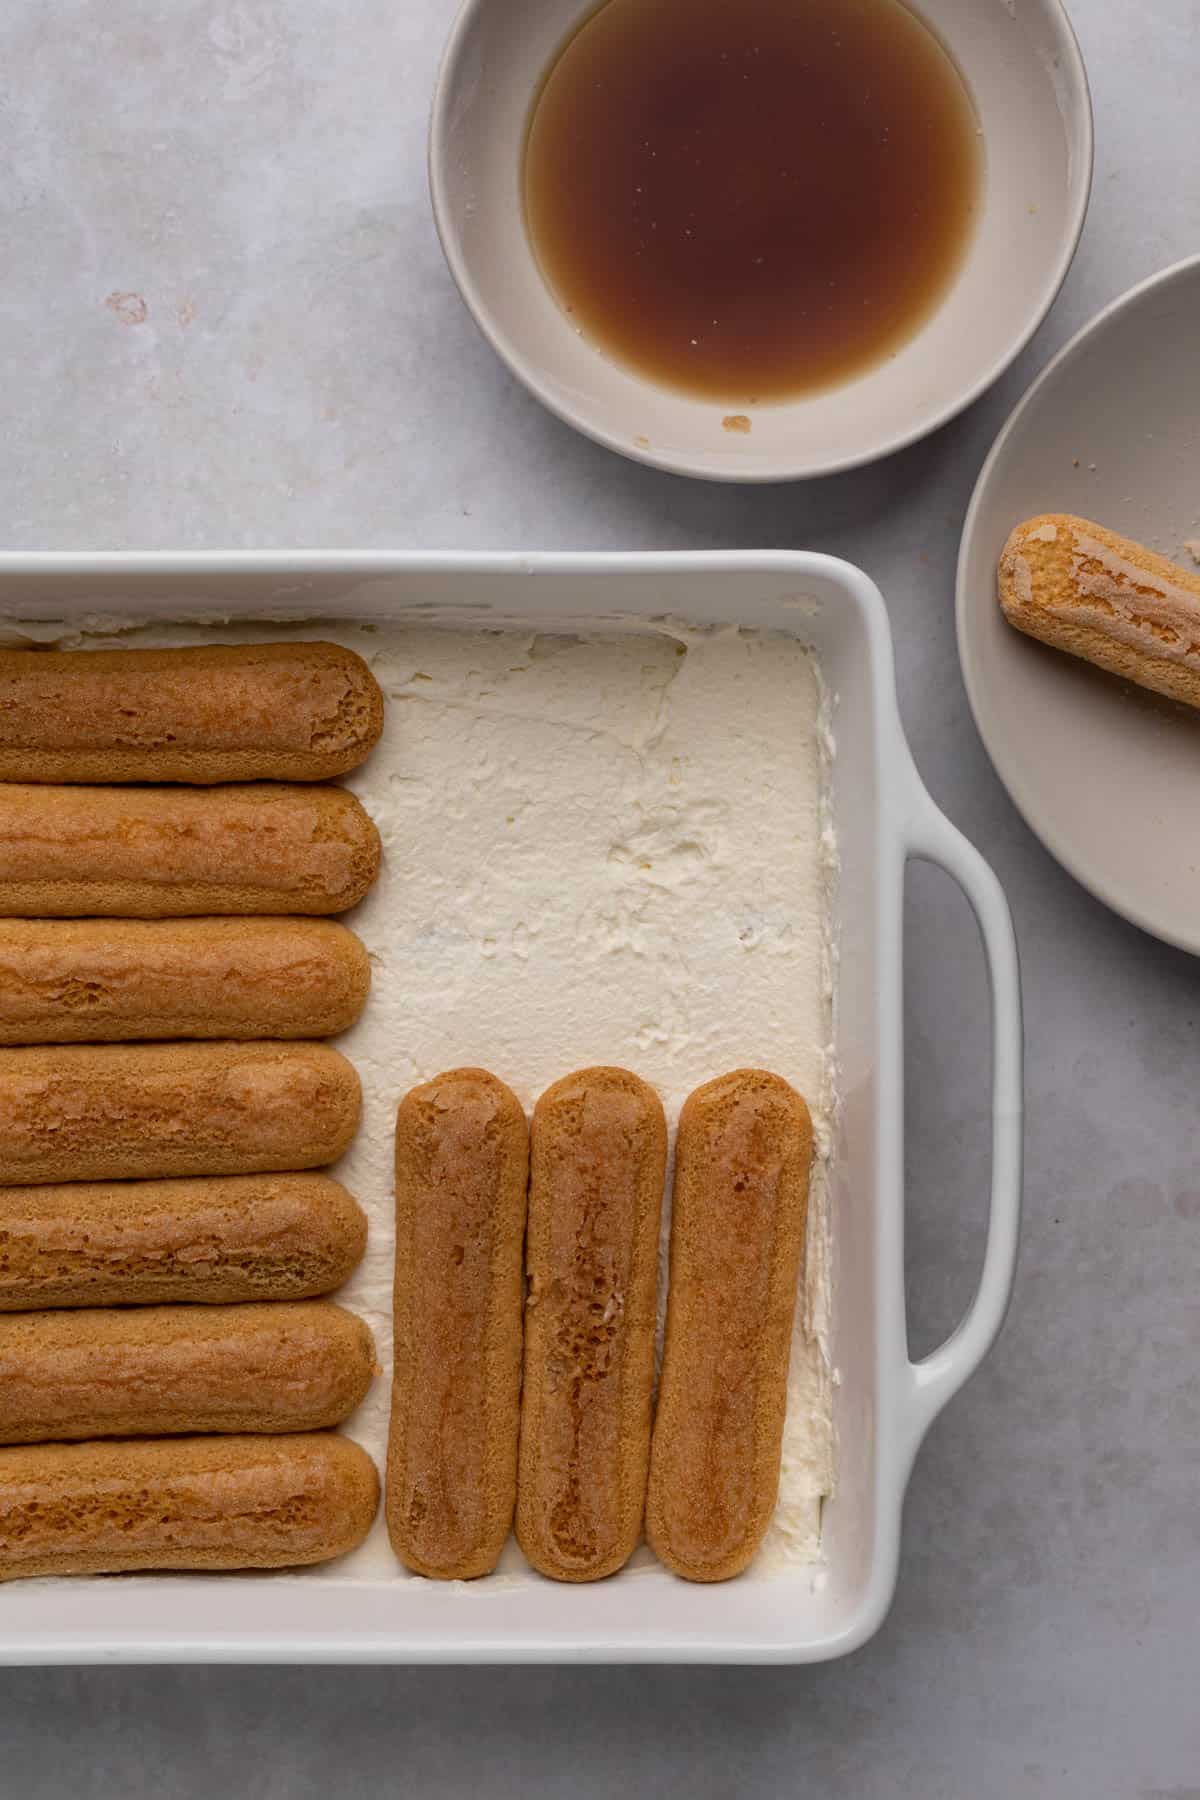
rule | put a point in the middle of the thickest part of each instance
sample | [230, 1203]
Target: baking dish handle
[932, 838]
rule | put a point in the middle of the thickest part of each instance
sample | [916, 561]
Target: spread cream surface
[601, 848]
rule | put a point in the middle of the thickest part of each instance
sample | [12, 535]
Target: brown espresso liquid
[749, 199]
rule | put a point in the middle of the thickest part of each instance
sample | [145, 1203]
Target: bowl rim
[1078, 112]
[1081, 869]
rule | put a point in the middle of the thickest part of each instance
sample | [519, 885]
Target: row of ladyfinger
[102, 885]
[535, 1399]
[236, 1502]
[551, 1387]
[111, 1112]
[255, 718]
[162, 1371]
[215, 713]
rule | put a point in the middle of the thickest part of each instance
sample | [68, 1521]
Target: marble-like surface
[224, 320]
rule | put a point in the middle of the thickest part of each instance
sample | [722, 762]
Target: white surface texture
[224, 320]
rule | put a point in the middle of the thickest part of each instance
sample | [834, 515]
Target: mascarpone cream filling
[610, 848]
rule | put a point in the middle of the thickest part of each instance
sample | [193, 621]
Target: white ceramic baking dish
[885, 1403]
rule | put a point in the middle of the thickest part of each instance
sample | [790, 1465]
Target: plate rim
[1078, 868]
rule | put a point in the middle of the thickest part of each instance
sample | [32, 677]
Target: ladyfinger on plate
[211, 1241]
[1083, 589]
[598, 1151]
[462, 1161]
[739, 1212]
[110, 1112]
[183, 1503]
[71, 852]
[161, 1371]
[65, 981]
[221, 712]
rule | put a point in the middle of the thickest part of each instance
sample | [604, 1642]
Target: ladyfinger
[462, 1162]
[160, 1371]
[146, 1243]
[65, 981]
[183, 1503]
[738, 1220]
[101, 1112]
[151, 853]
[598, 1150]
[221, 712]
[1083, 589]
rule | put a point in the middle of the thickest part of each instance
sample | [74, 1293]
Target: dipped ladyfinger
[462, 1161]
[183, 1503]
[65, 981]
[208, 1241]
[1083, 589]
[738, 1217]
[218, 712]
[68, 852]
[160, 1371]
[598, 1148]
[100, 1112]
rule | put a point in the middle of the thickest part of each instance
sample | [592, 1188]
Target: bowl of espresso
[759, 240]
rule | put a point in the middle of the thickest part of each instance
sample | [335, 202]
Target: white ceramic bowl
[1106, 774]
[1024, 70]
[884, 1403]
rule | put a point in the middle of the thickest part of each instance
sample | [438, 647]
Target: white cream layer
[601, 849]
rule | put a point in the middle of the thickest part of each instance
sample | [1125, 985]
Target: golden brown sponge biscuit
[1083, 589]
[100, 1112]
[66, 981]
[213, 1241]
[183, 1503]
[219, 712]
[160, 1371]
[598, 1151]
[68, 852]
[462, 1161]
[738, 1218]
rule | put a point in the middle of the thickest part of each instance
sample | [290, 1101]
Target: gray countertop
[224, 320]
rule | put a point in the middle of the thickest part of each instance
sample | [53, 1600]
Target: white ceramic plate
[1107, 775]
[1026, 77]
